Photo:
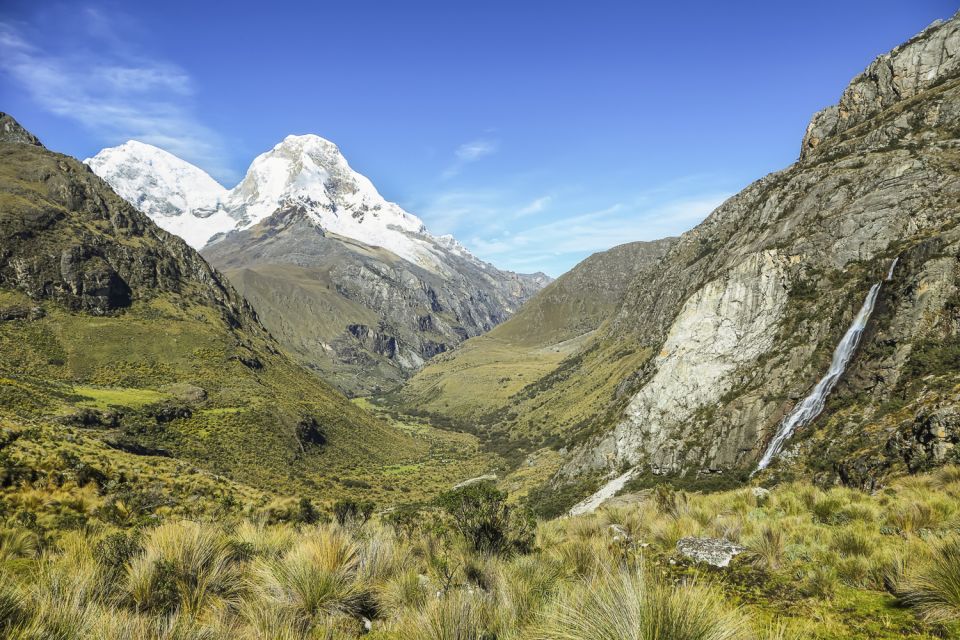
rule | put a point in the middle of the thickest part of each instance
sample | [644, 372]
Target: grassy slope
[240, 420]
[517, 378]
[818, 564]
[306, 312]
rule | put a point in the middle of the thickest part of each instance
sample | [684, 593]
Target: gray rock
[911, 68]
[714, 551]
[490, 477]
[11, 131]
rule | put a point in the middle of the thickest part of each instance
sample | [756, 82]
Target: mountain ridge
[714, 344]
[397, 294]
[114, 326]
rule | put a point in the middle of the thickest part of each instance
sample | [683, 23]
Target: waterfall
[893, 265]
[812, 405]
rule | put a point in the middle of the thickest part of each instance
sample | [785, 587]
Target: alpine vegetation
[286, 410]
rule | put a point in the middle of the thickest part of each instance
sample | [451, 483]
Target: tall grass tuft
[316, 576]
[17, 543]
[633, 605]
[933, 588]
[457, 615]
[765, 548]
[184, 566]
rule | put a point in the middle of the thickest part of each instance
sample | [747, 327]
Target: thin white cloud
[563, 239]
[470, 152]
[476, 149]
[536, 206]
[116, 94]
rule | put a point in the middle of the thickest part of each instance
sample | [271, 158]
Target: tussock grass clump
[407, 591]
[184, 566]
[457, 615]
[933, 587]
[766, 548]
[316, 576]
[17, 543]
[633, 605]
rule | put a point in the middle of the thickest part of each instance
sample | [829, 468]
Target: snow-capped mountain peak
[308, 168]
[180, 197]
[303, 170]
[158, 182]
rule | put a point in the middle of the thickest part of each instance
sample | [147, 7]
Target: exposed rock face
[362, 316]
[723, 327]
[11, 131]
[744, 310]
[908, 70]
[105, 254]
[714, 551]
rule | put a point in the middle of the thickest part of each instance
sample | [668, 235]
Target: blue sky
[536, 132]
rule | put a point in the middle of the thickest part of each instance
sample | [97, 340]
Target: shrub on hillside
[349, 511]
[480, 513]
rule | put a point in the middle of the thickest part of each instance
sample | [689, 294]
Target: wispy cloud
[112, 91]
[578, 235]
[471, 152]
[536, 206]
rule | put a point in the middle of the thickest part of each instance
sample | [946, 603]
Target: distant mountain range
[351, 283]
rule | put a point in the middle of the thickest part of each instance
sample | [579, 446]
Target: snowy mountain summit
[305, 172]
[351, 283]
[181, 198]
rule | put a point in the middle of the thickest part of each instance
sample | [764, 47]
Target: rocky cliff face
[713, 344]
[362, 316]
[744, 311]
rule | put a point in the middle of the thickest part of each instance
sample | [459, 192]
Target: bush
[306, 512]
[481, 514]
[355, 512]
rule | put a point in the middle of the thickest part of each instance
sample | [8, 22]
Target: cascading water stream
[811, 406]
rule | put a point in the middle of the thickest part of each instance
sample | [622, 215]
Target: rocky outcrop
[11, 131]
[929, 440]
[910, 69]
[716, 552]
[66, 236]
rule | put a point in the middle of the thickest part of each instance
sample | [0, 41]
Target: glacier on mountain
[305, 171]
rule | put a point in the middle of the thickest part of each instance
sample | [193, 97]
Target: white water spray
[811, 406]
[893, 265]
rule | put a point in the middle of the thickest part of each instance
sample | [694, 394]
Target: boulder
[717, 552]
